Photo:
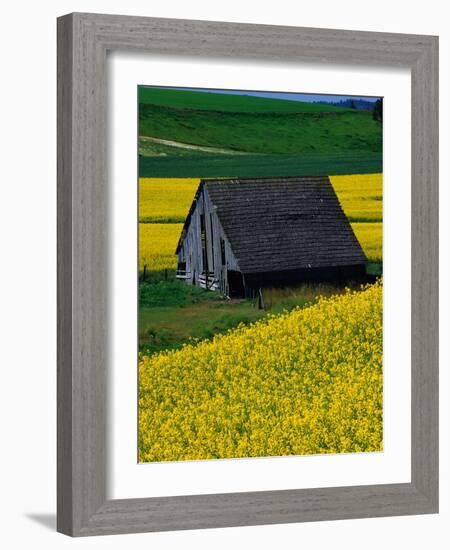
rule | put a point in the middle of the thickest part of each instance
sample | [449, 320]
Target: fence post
[261, 304]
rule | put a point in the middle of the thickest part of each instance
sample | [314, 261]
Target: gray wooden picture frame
[83, 41]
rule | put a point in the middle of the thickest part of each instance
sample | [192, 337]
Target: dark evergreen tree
[377, 112]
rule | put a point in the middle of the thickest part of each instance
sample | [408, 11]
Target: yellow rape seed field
[169, 199]
[304, 382]
[370, 236]
[165, 200]
[157, 244]
[361, 196]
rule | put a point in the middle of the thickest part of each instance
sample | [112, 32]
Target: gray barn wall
[191, 250]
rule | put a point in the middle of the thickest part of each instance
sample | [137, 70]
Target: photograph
[260, 274]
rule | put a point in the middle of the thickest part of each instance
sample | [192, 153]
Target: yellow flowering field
[361, 196]
[157, 243]
[370, 236]
[304, 382]
[165, 200]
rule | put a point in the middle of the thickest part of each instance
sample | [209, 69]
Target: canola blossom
[157, 243]
[307, 381]
[361, 196]
[166, 202]
[370, 237]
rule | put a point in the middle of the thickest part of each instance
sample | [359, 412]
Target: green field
[232, 166]
[207, 101]
[272, 137]
[264, 133]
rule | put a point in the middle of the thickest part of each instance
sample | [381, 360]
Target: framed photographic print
[243, 245]
[247, 274]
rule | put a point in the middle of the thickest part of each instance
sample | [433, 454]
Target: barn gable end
[205, 256]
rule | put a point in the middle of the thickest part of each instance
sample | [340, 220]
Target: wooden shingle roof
[276, 224]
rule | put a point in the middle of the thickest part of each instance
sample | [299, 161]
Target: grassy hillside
[210, 101]
[264, 132]
[201, 134]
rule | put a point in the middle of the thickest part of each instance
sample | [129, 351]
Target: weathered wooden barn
[242, 235]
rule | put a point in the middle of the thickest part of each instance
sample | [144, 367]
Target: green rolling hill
[272, 136]
[210, 101]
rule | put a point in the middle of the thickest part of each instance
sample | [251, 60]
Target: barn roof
[285, 223]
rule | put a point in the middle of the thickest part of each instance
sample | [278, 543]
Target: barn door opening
[235, 284]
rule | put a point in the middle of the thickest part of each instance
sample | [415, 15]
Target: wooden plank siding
[212, 276]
